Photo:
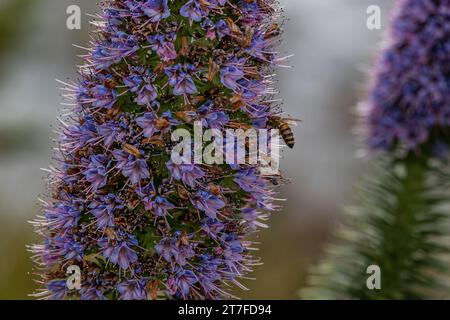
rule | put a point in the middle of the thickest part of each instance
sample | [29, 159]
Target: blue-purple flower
[165, 49]
[175, 249]
[182, 282]
[148, 124]
[104, 97]
[194, 10]
[208, 203]
[136, 170]
[190, 174]
[119, 251]
[181, 80]
[103, 210]
[132, 290]
[96, 172]
[156, 10]
[230, 76]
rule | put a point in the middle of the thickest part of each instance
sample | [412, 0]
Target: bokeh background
[333, 50]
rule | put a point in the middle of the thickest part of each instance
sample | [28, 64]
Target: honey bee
[197, 100]
[273, 30]
[285, 130]
[264, 6]
[204, 3]
[112, 113]
[182, 192]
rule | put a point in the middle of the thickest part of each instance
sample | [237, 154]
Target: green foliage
[400, 225]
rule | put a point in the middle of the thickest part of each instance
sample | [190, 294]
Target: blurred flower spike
[409, 103]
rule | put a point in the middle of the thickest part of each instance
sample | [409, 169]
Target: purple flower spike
[139, 225]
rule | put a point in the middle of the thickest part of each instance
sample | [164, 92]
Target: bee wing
[292, 121]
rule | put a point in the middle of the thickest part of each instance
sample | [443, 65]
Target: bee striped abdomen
[287, 135]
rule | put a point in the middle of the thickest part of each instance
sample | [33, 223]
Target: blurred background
[333, 49]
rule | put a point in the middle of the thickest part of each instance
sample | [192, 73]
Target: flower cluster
[138, 225]
[410, 97]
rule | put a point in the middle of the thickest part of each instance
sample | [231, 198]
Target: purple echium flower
[139, 225]
[165, 49]
[74, 137]
[252, 15]
[146, 95]
[64, 215]
[207, 203]
[119, 251]
[95, 172]
[230, 77]
[136, 170]
[188, 173]
[92, 293]
[103, 209]
[58, 289]
[212, 227]
[156, 9]
[211, 118]
[180, 284]
[132, 290]
[104, 97]
[159, 206]
[114, 49]
[176, 248]
[410, 91]
[111, 132]
[148, 124]
[180, 79]
[222, 28]
[194, 10]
